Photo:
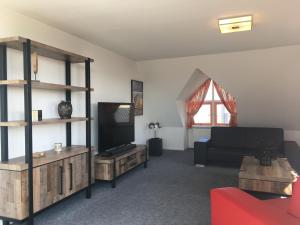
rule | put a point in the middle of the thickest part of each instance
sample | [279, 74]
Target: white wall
[195, 133]
[264, 82]
[110, 77]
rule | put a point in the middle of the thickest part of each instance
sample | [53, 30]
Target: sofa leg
[200, 165]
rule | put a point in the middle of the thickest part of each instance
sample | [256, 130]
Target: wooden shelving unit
[22, 123]
[27, 169]
[44, 50]
[42, 85]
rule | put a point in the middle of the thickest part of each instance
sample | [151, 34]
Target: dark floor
[171, 191]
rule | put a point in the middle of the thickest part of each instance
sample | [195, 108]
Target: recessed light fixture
[236, 24]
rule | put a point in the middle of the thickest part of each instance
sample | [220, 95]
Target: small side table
[155, 146]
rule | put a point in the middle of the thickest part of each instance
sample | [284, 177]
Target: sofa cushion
[294, 207]
[231, 206]
[227, 137]
[232, 151]
[280, 203]
[233, 156]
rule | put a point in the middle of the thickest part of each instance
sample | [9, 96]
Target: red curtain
[229, 102]
[194, 103]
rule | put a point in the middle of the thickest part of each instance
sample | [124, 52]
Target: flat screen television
[115, 125]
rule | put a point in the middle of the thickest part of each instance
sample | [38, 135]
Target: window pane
[223, 116]
[203, 115]
[208, 96]
[216, 96]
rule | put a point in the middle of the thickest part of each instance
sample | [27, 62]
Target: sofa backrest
[227, 137]
[247, 137]
[264, 138]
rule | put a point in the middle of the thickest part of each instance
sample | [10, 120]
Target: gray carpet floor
[171, 191]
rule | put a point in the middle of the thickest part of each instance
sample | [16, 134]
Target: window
[212, 112]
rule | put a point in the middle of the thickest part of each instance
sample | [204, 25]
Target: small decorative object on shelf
[38, 154]
[35, 64]
[154, 126]
[65, 110]
[58, 147]
[37, 115]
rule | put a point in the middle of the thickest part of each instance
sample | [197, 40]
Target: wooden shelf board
[43, 85]
[18, 164]
[15, 123]
[58, 120]
[17, 83]
[43, 49]
[22, 123]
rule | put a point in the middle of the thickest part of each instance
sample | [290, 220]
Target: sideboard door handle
[61, 169]
[71, 176]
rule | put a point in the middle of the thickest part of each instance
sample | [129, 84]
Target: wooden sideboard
[109, 168]
[56, 176]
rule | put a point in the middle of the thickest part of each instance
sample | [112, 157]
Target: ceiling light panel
[236, 24]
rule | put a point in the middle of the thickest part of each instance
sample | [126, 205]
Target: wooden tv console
[111, 167]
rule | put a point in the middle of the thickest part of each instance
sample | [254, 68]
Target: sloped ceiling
[195, 80]
[141, 29]
[264, 82]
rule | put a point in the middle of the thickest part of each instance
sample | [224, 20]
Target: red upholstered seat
[294, 207]
[280, 203]
[231, 206]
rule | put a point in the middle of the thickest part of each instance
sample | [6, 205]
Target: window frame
[216, 119]
[213, 111]
[211, 115]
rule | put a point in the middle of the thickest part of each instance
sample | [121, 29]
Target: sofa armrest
[231, 206]
[200, 152]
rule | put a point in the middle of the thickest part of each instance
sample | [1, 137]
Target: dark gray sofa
[230, 144]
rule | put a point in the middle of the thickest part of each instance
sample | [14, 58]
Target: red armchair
[231, 206]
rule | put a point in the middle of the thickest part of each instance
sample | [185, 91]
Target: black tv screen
[115, 125]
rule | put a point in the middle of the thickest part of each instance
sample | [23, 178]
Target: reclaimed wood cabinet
[47, 184]
[55, 177]
[76, 174]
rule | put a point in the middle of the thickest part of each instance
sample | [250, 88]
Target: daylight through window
[212, 112]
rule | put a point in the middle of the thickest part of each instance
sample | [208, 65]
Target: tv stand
[119, 149]
[108, 168]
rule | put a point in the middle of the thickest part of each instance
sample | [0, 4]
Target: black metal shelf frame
[28, 118]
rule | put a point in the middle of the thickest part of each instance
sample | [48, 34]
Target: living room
[171, 49]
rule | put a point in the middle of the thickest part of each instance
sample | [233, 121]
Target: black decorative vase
[65, 110]
[265, 158]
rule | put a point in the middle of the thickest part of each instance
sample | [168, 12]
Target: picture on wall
[137, 97]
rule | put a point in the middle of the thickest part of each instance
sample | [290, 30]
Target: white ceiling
[151, 29]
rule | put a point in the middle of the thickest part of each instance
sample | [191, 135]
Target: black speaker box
[155, 146]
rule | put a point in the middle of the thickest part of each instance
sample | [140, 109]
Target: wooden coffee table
[277, 178]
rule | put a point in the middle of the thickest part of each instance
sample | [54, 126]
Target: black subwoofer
[155, 146]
